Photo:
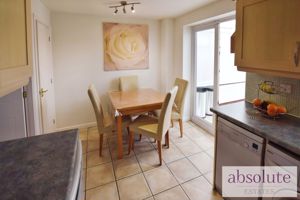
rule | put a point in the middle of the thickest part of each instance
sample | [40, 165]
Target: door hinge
[53, 121]
[25, 94]
[49, 39]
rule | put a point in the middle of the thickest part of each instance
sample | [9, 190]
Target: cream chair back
[94, 97]
[128, 83]
[164, 121]
[180, 96]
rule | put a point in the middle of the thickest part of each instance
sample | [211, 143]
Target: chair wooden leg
[128, 130]
[130, 141]
[167, 139]
[159, 151]
[181, 127]
[100, 144]
[140, 137]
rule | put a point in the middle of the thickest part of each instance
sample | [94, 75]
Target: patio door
[216, 79]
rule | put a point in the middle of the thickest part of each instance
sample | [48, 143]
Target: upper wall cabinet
[15, 44]
[267, 38]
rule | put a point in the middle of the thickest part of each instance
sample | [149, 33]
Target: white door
[45, 70]
[216, 79]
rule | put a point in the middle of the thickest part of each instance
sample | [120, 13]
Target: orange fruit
[281, 109]
[272, 109]
[256, 102]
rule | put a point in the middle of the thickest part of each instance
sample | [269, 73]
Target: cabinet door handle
[296, 54]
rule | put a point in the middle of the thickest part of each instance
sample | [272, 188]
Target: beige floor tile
[114, 152]
[199, 187]
[84, 161]
[171, 154]
[188, 148]
[148, 160]
[160, 179]
[211, 152]
[99, 175]
[134, 188]
[94, 159]
[183, 170]
[126, 167]
[83, 135]
[92, 129]
[84, 146]
[203, 162]
[150, 198]
[173, 194]
[193, 133]
[209, 177]
[178, 139]
[204, 142]
[142, 147]
[105, 192]
[93, 135]
[93, 144]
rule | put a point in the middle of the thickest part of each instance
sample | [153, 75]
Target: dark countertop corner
[284, 131]
[38, 167]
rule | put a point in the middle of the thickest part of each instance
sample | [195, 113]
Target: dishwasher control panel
[241, 136]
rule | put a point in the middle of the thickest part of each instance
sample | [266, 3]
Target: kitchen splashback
[291, 101]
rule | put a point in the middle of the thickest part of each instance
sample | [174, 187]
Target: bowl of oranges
[269, 108]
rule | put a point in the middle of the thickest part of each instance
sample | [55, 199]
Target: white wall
[182, 41]
[78, 61]
[166, 45]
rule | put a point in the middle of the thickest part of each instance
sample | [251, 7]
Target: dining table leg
[120, 136]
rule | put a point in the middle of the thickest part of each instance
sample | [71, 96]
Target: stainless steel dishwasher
[236, 147]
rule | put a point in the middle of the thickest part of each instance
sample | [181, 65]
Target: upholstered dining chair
[104, 116]
[128, 83]
[156, 128]
[177, 111]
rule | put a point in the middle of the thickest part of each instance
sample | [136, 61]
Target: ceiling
[156, 9]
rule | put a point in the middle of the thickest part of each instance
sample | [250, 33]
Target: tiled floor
[186, 173]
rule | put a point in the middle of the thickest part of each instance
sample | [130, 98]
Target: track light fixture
[124, 4]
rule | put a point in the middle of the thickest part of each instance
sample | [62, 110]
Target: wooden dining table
[133, 102]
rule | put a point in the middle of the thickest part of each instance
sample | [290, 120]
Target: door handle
[296, 54]
[42, 92]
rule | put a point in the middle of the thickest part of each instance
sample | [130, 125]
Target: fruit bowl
[269, 109]
[264, 113]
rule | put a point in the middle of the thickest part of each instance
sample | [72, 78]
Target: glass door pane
[231, 81]
[205, 62]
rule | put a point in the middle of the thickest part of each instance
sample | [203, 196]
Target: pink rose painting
[125, 46]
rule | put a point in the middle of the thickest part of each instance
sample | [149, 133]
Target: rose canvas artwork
[125, 46]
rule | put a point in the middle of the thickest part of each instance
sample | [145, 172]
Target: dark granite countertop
[37, 168]
[284, 131]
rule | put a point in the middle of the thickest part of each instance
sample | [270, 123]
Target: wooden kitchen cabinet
[15, 44]
[267, 37]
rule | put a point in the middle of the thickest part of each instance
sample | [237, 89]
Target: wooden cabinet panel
[15, 48]
[13, 51]
[267, 33]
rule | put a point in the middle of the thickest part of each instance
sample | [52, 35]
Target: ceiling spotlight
[116, 11]
[124, 4]
[132, 8]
